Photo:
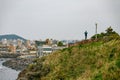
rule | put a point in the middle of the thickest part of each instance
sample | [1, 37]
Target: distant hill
[11, 36]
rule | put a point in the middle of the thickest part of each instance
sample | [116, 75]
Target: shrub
[98, 76]
[118, 63]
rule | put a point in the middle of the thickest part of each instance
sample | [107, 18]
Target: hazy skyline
[58, 19]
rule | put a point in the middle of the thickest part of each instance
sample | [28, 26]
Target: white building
[44, 50]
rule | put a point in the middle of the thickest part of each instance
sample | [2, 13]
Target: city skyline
[64, 19]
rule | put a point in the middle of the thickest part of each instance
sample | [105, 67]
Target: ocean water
[7, 73]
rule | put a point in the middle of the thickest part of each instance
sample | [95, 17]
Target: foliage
[90, 61]
[118, 63]
[109, 30]
[60, 43]
[109, 35]
[98, 76]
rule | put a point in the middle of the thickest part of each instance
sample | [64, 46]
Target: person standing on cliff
[85, 35]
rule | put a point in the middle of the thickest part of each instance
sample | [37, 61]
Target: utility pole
[96, 30]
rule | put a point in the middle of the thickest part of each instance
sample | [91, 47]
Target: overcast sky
[58, 19]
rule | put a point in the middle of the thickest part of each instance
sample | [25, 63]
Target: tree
[109, 35]
[60, 43]
[109, 30]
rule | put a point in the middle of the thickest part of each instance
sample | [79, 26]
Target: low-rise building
[4, 49]
[44, 50]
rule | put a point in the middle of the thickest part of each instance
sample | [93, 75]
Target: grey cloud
[61, 19]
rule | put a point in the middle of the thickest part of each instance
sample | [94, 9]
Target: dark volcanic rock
[35, 71]
[17, 64]
[8, 55]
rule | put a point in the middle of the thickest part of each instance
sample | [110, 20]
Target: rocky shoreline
[14, 62]
[8, 55]
[18, 63]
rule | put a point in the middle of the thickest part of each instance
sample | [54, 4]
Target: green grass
[91, 61]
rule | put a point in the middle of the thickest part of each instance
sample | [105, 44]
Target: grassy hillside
[91, 61]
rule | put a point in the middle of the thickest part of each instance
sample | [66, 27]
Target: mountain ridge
[11, 36]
